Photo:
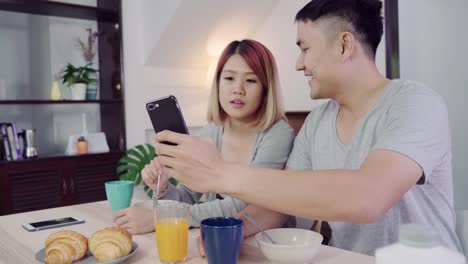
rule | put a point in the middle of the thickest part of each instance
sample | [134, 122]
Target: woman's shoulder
[208, 130]
[280, 128]
[281, 125]
[274, 144]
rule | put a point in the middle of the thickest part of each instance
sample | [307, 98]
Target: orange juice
[172, 238]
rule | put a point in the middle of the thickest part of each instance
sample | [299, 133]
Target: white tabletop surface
[19, 246]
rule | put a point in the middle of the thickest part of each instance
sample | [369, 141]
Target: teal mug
[119, 194]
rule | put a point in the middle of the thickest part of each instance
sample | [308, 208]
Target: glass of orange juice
[171, 226]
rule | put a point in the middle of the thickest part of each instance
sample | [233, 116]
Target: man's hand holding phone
[150, 176]
[195, 162]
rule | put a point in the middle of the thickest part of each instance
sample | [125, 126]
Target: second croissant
[110, 243]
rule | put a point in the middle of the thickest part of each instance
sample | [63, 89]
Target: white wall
[279, 34]
[162, 55]
[154, 68]
[433, 50]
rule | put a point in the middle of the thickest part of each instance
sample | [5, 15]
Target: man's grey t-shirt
[410, 119]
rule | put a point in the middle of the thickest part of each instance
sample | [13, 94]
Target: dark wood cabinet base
[36, 184]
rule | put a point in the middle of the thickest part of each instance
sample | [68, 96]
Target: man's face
[318, 59]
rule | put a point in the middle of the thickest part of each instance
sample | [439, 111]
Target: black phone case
[165, 114]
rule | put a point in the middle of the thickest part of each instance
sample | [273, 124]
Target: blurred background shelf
[60, 156]
[11, 102]
[57, 9]
[37, 38]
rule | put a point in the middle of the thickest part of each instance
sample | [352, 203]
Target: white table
[18, 246]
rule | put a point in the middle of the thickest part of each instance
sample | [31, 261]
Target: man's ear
[347, 45]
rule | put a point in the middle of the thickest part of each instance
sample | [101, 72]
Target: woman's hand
[136, 220]
[150, 175]
[201, 248]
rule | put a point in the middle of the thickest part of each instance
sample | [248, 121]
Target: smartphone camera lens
[150, 107]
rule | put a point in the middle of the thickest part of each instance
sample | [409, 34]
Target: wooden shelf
[48, 8]
[71, 179]
[61, 156]
[119, 101]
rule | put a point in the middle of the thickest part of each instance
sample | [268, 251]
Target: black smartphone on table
[66, 221]
[165, 114]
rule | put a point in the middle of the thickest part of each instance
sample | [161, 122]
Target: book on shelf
[5, 143]
[2, 151]
[11, 139]
[9, 142]
[19, 151]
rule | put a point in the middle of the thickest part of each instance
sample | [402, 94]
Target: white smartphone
[36, 226]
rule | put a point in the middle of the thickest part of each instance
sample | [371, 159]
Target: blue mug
[222, 238]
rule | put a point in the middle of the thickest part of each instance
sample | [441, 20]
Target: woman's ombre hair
[263, 64]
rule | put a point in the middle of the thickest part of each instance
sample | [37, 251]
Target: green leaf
[138, 178]
[124, 167]
[130, 173]
[133, 162]
[149, 155]
[173, 181]
[72, 74]
[152, 150]
[129, 176]
[148, 191]
[135, 153]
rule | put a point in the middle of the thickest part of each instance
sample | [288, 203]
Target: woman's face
[240, 90]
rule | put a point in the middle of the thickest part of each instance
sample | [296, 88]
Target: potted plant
[82, 145]
[77, 78]
[133, 162]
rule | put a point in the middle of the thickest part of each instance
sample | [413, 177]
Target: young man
[376, 156]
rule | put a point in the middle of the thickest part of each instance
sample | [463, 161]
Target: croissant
[110, 243]
[65, 246]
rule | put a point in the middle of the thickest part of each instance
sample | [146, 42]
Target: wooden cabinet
[296, 119]
[57, 181]
[34, 186]
[87, 185]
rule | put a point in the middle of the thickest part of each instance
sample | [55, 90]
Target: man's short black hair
[363, 16]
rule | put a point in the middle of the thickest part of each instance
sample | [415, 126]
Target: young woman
[248, 125]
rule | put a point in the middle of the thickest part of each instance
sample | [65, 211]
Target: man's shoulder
[406, 90]
[325, 110]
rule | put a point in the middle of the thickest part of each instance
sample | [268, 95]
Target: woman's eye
[228, 78]
[251, 80]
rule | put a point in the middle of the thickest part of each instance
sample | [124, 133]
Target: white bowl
[293, 245]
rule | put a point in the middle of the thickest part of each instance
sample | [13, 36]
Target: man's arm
[272, 152]
[266, 218]
[362, 195]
